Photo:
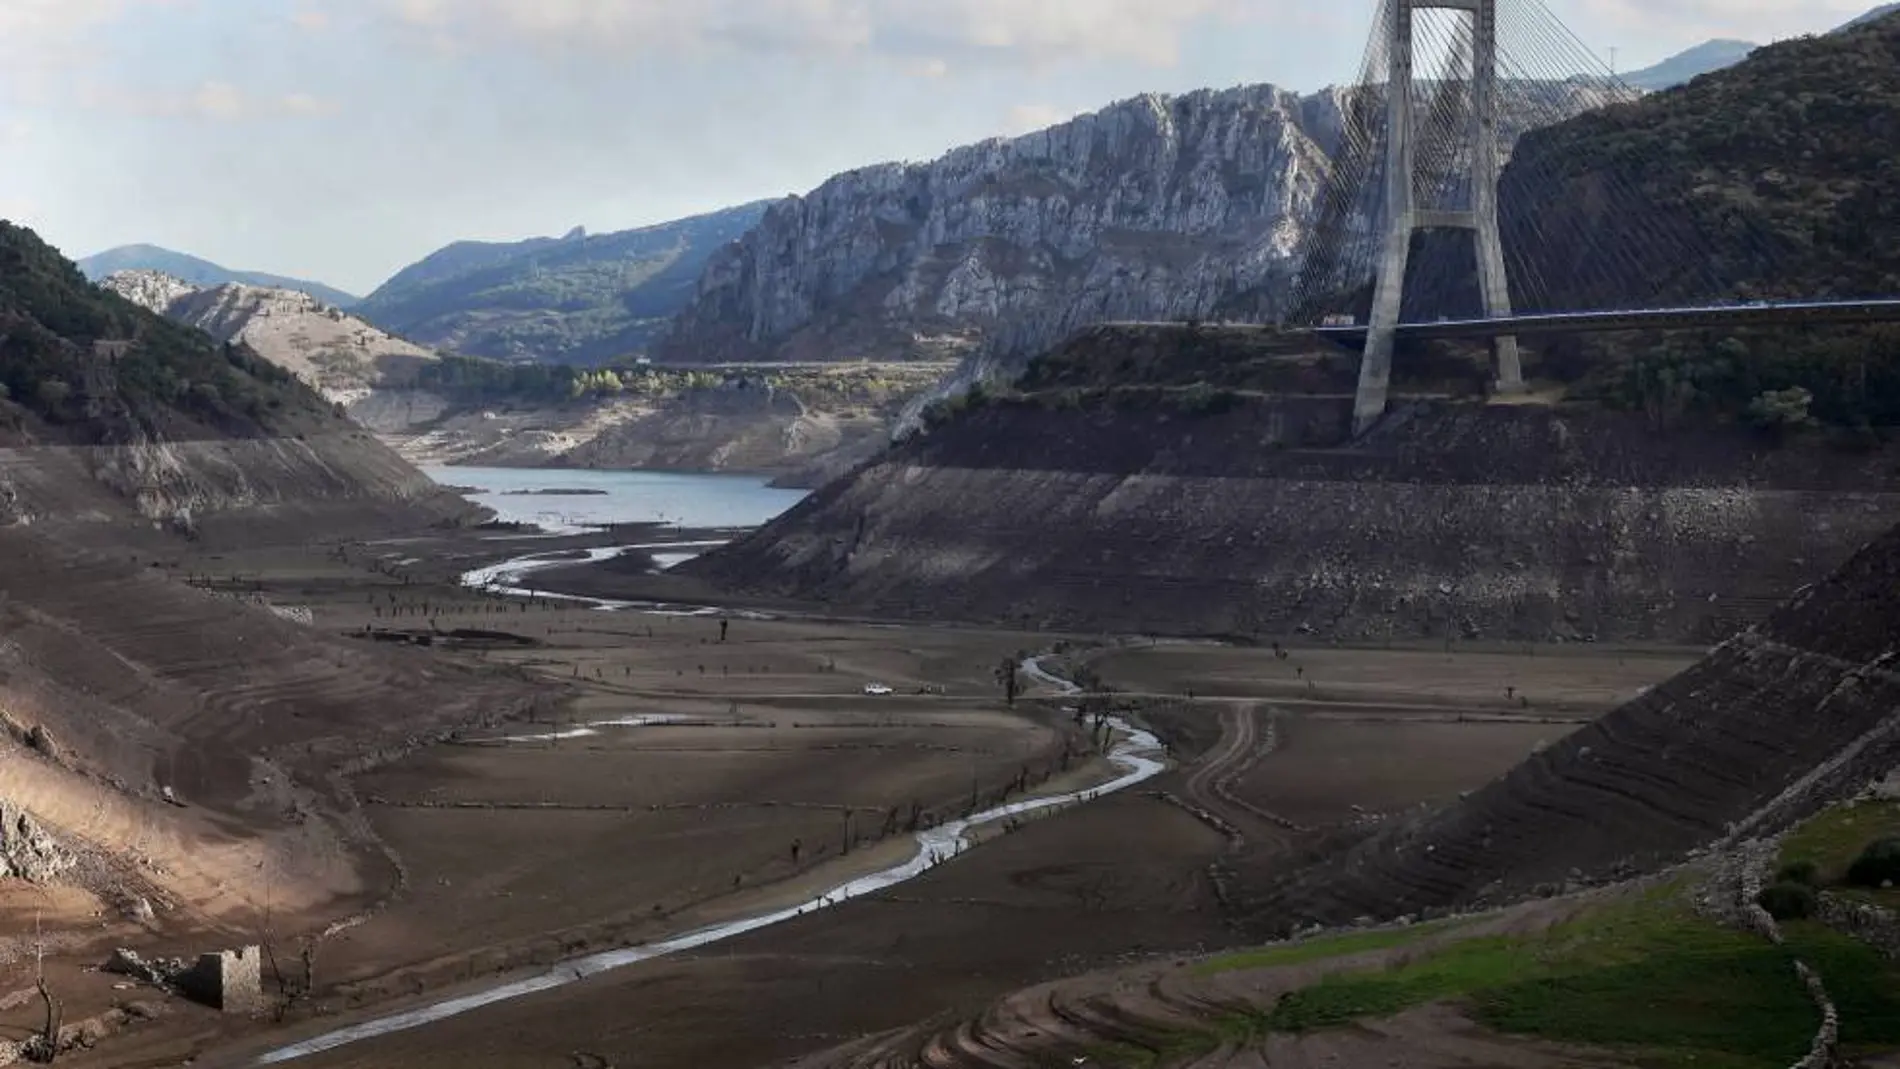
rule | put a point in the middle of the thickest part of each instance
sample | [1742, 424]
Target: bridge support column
[1403, 217]
[1375, 364]
[1493, 283]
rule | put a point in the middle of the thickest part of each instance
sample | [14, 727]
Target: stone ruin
[229, 980]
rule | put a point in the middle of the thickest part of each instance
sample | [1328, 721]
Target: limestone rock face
[339, 354]
[1154, 208]
[152, 290]
[27, 852]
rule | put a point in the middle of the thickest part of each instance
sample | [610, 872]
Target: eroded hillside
[169, 746]
[1776, 722]
[1152, 500]
[337, 353]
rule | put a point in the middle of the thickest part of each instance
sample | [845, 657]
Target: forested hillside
[169, 381]
[581, 298]
[1778, 178]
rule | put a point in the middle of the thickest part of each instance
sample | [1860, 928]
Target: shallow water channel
[1136, 753]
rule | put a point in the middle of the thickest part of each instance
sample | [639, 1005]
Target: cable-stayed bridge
[1482, 188]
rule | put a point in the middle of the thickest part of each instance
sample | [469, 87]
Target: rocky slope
[125, 438]
[1776, 722]
[200, 273]
[802, 425]
[1240, 507]
[580, 298]
[110, 412]
[1157, 208]
[1154, 208]
[335, 352]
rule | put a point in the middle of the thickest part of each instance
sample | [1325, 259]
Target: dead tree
[55, 1010]
[1007, 676]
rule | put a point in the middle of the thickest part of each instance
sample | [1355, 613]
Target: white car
[876, 688]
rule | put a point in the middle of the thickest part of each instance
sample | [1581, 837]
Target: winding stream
[1136, 753]
[510, 578]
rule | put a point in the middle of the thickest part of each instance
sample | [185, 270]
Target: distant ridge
[578, 298]
[1880, 12]
[200, 272]
[1687, 65]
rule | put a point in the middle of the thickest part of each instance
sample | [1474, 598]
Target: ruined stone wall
[230, 980]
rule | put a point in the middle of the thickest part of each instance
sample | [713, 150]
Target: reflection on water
[685, 500]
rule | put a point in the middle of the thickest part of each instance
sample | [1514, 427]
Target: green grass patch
[1834, 838]
[1332, 946]
[1647, 975]
[1864, 985]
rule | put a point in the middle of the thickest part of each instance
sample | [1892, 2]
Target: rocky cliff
[1155, 208]
[801, 425]
[1229, 509]
[1159, 208]
[337, 353]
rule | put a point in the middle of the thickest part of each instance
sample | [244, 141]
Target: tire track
[1243, 744]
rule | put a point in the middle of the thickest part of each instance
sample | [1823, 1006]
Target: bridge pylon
[1404, 217]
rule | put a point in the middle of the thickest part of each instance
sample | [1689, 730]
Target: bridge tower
[1403, 216]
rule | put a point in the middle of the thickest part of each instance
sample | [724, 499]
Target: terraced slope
[1224, 496]
[143, 683]
[1774, 723]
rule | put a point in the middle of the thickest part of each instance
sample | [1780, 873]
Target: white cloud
[928, 67]
[1144, 31]
[1693, 20]
[217, 100]
[1028, 118]
[310, 19]
[306, 104]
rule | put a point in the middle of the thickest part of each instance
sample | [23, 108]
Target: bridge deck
[1728, 315]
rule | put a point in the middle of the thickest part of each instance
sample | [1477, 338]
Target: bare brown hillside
[1775, 723]
[1241, 507]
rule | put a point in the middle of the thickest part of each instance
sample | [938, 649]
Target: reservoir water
[521, 495]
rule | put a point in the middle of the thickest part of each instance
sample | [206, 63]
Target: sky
[340, 140]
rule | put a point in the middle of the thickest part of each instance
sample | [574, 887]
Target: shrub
[1878, 864]
[1801, 872]
[1787, 901]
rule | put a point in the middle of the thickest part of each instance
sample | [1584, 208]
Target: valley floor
[769, 776]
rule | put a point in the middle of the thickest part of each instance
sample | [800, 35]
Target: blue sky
[342, 139]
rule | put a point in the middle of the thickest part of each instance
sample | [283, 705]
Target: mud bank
[291, 487]
[1259, 518]
[1136, 754]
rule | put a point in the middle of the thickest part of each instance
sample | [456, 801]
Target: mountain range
[1155, 207]
[201, 272]
[580, 298]
[329, 349]
[1684, 66]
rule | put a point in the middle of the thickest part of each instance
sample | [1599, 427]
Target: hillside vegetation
[171, 381]
[582, 298]
[1786, 165]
